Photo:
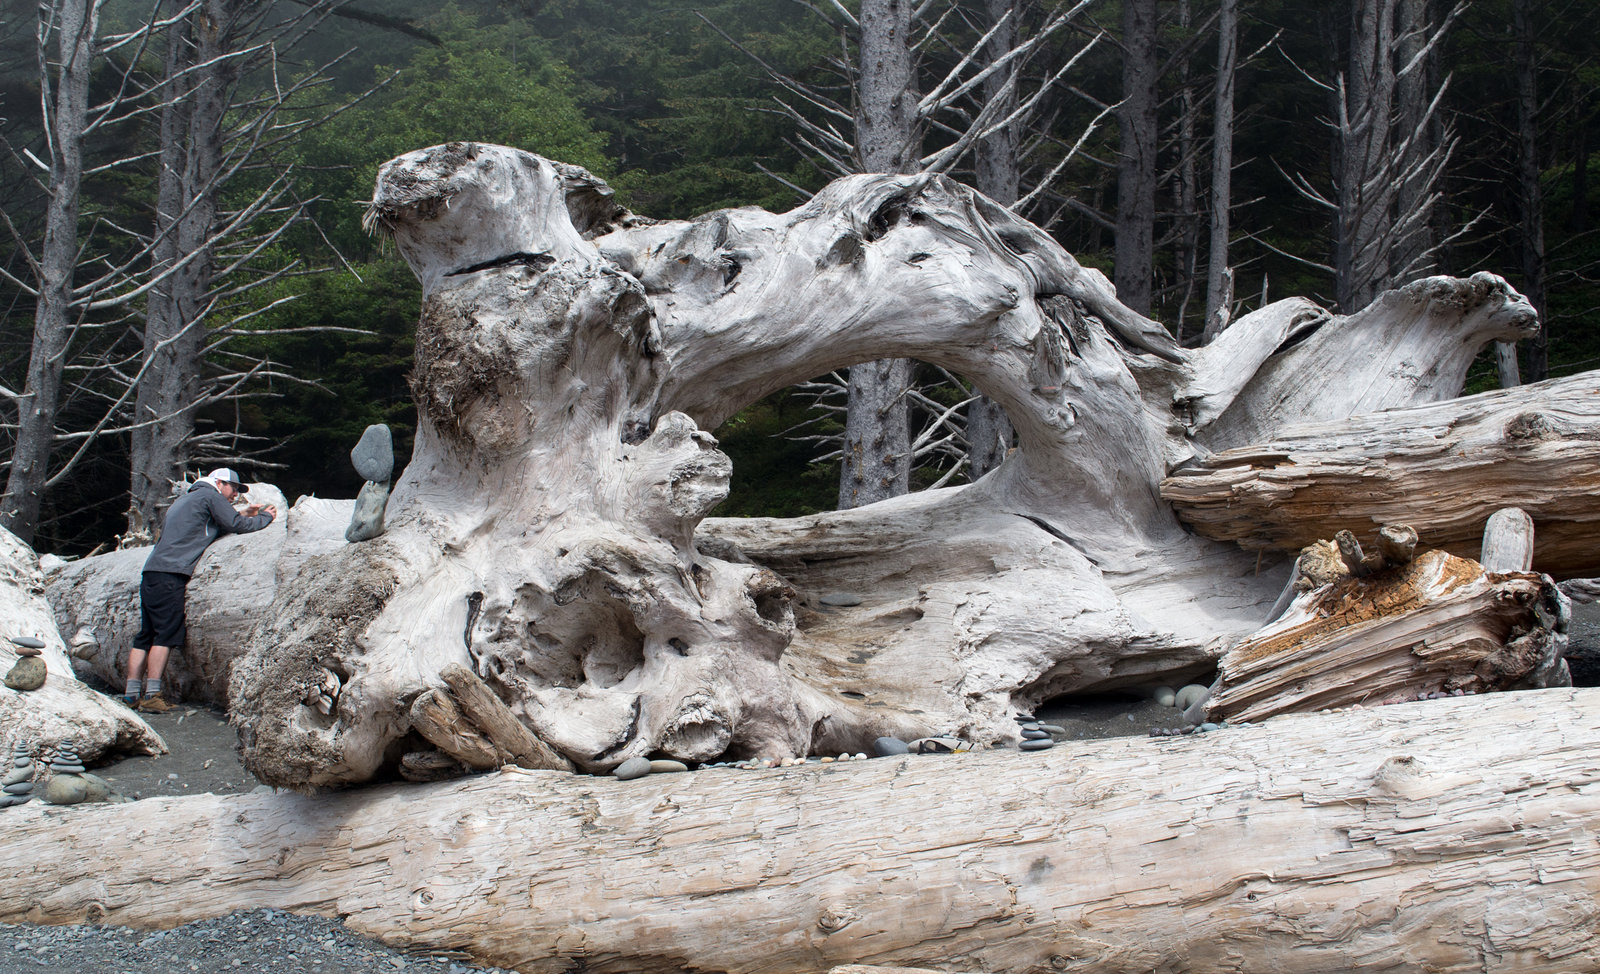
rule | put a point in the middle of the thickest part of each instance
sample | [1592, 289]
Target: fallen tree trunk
[1442, 468]
[1451, 835]
[570, 357]
[62, 709]
[96, 600]
[1436, 625]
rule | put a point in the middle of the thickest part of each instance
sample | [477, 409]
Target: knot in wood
[1530, 426]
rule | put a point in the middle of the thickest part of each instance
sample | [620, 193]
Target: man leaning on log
[196, 519]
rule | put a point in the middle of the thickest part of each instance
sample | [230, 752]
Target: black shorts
[161, 620]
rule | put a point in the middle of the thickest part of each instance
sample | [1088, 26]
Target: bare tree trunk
[1530, 198]
[1219, 276]
[1136, 158]
[75, 26]
[989, 432]
[1411, 256]
[876, 464]
[1187, 189]
[1364, 218]
[165, 397]
[1453, 836]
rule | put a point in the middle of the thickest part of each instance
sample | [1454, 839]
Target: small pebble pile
[29, 672]
[1037, 736]
[16, 788]
[66, 785]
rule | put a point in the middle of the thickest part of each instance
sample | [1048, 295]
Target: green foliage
[360, 379]
[497, 85]
[772, 474]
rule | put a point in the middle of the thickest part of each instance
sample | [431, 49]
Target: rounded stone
[27, 651]
[17, 774]
[1041, 745]
[18, 788]
[373, 455]
[1165, 696]
[840, 599]
[1188, 696]
[1209, 726]
[99, 789]
[28, 674]
[1052, 728]
[632, 768]
[1030, 726]
[66, 789]
[1035, 735]
[890, 746]
[28, 642]
[665, 766]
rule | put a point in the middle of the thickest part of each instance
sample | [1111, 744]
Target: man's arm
[233, 522]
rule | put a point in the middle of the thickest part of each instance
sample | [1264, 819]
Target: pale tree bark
[1219, 275]
[999, 177]
[1366, 103]
[876, 461]
[1136, 156]
[1422, 836]
[1530, 197]
[63, 709]
[1444, 470]
[174, 333]
[73, 24]
[1185, 233]
[545, 533]
[1413, 254]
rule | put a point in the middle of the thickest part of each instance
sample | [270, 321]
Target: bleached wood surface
[1449, 836]
[232, 586]
[63, 709]
[1442, 468]
[547, 533]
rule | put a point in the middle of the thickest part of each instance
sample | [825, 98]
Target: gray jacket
[194, 521]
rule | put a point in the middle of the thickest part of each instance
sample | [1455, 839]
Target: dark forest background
[654, 97]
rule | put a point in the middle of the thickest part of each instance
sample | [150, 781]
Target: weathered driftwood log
[96, 600]
[62, 709]
[465, 720]
[1508, 541]
[1442, 468]
[568, 359]
[1450, 836]
[1436, 625]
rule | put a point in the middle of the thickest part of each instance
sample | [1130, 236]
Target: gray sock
[152, 688]
[132, 689]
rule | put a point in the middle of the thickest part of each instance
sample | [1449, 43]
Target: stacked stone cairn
[1037, 736]
[16, 788]
[373, 458]
[67, 785]
[29, 672]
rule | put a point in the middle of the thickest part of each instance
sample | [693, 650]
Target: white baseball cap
[225, 475]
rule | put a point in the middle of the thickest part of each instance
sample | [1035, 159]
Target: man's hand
[255, 509]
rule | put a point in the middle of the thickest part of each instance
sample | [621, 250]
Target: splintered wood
[1439, 624]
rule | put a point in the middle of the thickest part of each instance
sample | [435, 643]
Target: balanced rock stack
[29, 671]
[16, 787]
[373, 458]
[1037, 736]
[66, 785]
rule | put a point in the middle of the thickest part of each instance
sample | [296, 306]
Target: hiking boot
[130, 700]
[155, 705]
